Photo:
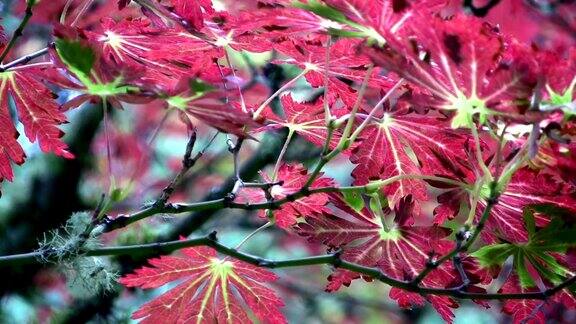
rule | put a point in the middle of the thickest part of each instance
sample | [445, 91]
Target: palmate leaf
[302, 118]
[206, 106]
[540, 252]
[394, 244]
[165, 53]
[369, 18]
[526, 188]
[404, 143]
[537, 264]
[530, 310]
[36, 110]
[286, 22]
[458, 63]
[522, 309]
[213, 290]
[91, 75]
[345, 64]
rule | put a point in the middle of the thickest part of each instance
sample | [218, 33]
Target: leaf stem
[112, 182]
[282, 153]
[256, 231]
[478, 151]
[474, 202]
[373, 111]
[327, 113]
[278, 92]
[19, 30]
[344, 140]
[229, 62]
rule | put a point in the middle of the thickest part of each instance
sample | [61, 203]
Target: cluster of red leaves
[456, 72]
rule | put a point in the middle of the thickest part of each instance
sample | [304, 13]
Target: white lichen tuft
[86, 275]
[89, 276]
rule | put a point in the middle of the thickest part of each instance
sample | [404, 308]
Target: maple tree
[436, 136]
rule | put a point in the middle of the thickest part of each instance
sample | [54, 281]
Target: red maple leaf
[212, 290]
[37, 111]
[458, 62]
[278, 23]
[396, 246]
[223, 29]
[380, 15]
[305, 119]
[165, 52]
[523, 310]
[404, 143]
[293, 178]
[378, 19]
[118, 83]
[97, 78]
[532, 311]
[192, 11]
[345, 64]
[526, 188]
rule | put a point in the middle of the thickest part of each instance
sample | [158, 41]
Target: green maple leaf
[538, 252]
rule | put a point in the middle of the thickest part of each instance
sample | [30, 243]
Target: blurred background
[147, 144]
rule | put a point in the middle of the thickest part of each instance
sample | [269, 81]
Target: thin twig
[282, 153]
[327, 113]
[19, 31]
[235, 150]
[155, 209]
[251, 235]
[457, 262]
[24, 59]
[187, 163]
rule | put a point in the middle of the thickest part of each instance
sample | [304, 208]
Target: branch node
[337, 258]
[431, 263]
[229, 198]
[212, 236]
[265, 263]
[462, 235]
[492, 200]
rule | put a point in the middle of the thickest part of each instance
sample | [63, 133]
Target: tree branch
[327, 259]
